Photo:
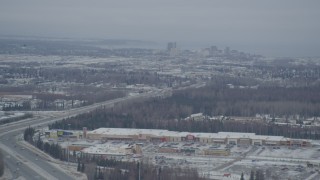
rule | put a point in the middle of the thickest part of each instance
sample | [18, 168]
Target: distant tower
[172, 48]
[227, 51]
[214, 50]
[171, 45]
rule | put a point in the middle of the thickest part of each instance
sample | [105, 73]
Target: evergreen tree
[28, 134]
[1, 164]
[100, 174]
[252, 175]
[242, 177]
[79, 167]
[159, 173]
[95, 176]
[259, 175]
[82, 167]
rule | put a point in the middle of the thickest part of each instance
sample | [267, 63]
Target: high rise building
[227, 51]
[213, 50]
[172, 49]
[171, 45]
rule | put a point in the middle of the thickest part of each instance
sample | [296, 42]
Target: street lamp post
[68, 144]
[139, 164]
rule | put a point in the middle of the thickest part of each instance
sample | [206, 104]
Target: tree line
[53, 149]
[14, 119]
[119, 170]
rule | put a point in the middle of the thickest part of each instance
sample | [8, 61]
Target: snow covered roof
[237, 135]
[107, 149]
[167, 133]
[128, 131]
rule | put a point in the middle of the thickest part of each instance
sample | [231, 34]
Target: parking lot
[277, 162]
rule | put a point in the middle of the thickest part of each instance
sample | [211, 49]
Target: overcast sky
[269, 27]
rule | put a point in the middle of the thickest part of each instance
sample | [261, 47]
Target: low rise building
[161, 135]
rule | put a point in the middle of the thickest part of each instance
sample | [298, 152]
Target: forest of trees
[212, 100]
[117, 170]
[279, 101]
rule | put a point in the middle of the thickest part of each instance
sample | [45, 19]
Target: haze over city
[271, 28]
[160, 90]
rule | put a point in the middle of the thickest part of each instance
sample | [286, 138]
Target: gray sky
[269, 27]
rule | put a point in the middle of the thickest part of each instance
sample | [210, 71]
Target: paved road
[24, 162]
[19, 170]
[21, 161]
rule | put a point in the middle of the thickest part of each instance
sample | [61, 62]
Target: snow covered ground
[276, 162]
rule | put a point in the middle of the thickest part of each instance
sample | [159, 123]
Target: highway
[16, 169]
[24, 163]
[21, 161]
